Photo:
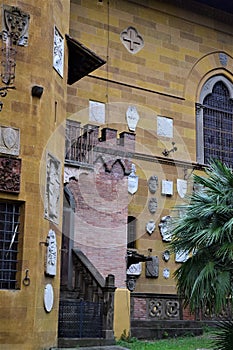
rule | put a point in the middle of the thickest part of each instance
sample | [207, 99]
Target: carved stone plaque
[153, 184]
[9, 140]
[152, 267]
[166, 273]
[152, 205]
[165, 228]
[167, 188]
[58, 52]
[97, 112]
[181, 256]
[165, 127]
[52, 192]
[223, 59]
[51, 257]
[132, 117]
[10, 171]
[132, 181]
[135, 269]
[150, 227]
[132, 40]
[182, 187]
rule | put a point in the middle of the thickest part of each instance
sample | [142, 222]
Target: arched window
[215, 121]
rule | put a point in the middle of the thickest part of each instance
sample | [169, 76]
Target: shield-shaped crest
[182, 187]
[9, 137]
[132, 181]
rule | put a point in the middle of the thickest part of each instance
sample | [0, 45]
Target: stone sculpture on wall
[9, 140]
[10, 171]
[58, 52]
[152, 205]
[132, 117]
[165, 228]
[152, 267]
[132, 181]
[153, 184]
[150, 227]
[51, 256]
[52, 193]
[135, 269]
[132, 40]
[182, 187]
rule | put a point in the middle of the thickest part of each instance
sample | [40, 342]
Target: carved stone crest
[15, 25]
[152, 267]
[51, 257]
[135, 269]
[153, 184]
[166, 273]
[152, 205]
[132, 181]
[150, 227]
[9, 140]
[132, 117]
[10, 171]
[165, 228]
[52, 193]
[182, 187]
[223, 59]
[181, 256]
[131, 283]
[166, 255]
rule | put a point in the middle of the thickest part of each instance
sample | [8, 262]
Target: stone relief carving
[48, 297]
[10, 171]
[166, 255]
[223, 59]
[165, 228]
[51, 257]
[58, 52]
[132, 40]
[150, 227]
[132, 117]
[15, 25]
[163, 309]
[131, 283]
[132, 181]
[152, 267]
[9, 140]
[164, 126]
[182, 186]
[135, 269]
[52, 194]
[166, 273]
[153, 184]
[181, 256]
[97, 112]
[152, 205]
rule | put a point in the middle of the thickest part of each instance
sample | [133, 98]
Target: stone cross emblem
[132, 40]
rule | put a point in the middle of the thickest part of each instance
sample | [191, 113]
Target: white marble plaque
[52, 191]
[132, 117]
[97, 112]
[165, 127]
[51, 256]
[9, 140]
[182, 186]
[135, 269]
[58, 52]
[167, 187]
[48, 297]
[132, 181]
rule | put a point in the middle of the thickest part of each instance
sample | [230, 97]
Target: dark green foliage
[223, 338]
[206, 232]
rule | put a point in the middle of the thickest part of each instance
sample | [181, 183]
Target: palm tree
[205, 231]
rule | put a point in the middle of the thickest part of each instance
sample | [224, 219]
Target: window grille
[131, 240]
[218, 125]
[9, 235]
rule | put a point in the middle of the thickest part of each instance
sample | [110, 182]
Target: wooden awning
[81, 61]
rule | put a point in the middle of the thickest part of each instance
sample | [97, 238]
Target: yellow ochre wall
[24, 323]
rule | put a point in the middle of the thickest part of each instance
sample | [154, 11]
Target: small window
[9, 244]
[131, 239]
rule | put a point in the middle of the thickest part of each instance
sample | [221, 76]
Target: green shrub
[223, 336]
